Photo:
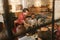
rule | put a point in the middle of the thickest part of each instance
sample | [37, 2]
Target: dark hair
[33, 14]
[19, 24]
[25, 9]
[43, 35]
[28, 16]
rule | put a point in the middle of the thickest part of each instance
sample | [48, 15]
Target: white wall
[57, 9]
[14, 3]
[1, 11]
[1, 7]
[1, 18]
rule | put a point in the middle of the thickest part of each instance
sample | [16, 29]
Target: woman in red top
[22, 16]
[20, 19]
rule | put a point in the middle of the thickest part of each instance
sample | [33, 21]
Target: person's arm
[50, 17]
[26, 24]
[20, 19]
[39, 39]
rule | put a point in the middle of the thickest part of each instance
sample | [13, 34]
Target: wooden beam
[7, 19]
